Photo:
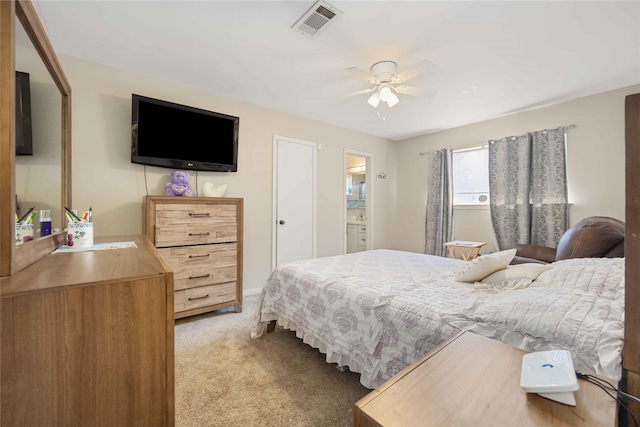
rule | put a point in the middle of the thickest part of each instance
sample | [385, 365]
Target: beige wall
[105, 179]
[595, 169]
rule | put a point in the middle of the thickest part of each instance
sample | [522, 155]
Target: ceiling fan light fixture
[392, 99]
[374, 100]
[387, 95]
[385, 92]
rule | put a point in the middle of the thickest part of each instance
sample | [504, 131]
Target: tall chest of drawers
[200, 238]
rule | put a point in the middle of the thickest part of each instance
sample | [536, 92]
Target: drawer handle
[199, 234]
[199, 277]
[199, 215]
[200, 256]
[194, 298]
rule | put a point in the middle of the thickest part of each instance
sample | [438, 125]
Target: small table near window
[463, 249]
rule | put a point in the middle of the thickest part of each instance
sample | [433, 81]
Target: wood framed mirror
[12, 13]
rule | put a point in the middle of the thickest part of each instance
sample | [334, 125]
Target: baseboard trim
[253, 291]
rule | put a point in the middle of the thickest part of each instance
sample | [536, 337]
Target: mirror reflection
[38, 167]
[356, 174]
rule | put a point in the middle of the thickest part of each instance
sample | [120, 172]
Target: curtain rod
[483, 144]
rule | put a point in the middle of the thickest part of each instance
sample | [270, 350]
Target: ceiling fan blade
[360, 74]
[359, 92]
[419, 68]
[415, 91]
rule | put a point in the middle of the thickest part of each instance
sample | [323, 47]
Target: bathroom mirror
[27, 185]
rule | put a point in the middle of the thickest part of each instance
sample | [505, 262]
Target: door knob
[282, 221]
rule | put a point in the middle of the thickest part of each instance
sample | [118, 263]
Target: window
[471, 176]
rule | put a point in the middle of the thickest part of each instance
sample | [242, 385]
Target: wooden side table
[467, 250]
[474, 381]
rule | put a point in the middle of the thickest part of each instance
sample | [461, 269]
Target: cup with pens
[24, 226]
[80, 228]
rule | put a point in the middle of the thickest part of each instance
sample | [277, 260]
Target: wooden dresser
[201, 240]
[87, 340]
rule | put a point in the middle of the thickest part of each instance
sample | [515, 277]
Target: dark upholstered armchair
[593, 237]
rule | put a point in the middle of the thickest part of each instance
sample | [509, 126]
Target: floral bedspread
[378, 311]
[358, 309]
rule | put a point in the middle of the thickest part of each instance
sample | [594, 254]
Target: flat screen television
[176, 136]
[24, 139]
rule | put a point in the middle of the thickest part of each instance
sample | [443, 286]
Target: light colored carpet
[224, 378]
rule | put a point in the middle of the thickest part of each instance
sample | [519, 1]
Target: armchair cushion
[593, 237]
[533, 253]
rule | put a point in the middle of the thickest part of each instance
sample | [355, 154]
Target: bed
[376, 312]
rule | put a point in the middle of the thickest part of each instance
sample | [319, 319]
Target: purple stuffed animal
[179, 185]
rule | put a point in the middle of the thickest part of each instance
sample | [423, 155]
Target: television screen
[24, 140]
[177, 136]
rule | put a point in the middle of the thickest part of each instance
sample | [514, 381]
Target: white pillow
[515, 276]
[479, 268]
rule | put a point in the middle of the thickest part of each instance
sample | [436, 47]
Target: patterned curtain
[550, 208]
[439, 221]
[509, 190]
[528, 189]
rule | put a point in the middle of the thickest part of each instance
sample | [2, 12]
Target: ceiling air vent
[316, 19]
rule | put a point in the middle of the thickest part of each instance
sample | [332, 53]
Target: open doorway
[358, 197]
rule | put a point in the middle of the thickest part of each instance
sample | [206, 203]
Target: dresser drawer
[194, 224]
[204, 295]
[202, 265]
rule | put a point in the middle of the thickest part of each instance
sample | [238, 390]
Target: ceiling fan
[388, 82]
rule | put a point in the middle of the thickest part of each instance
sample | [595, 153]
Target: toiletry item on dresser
[24, 232]
[79, 228]
[24, 226]
[27, 218]
[45, 222]
[82, 233]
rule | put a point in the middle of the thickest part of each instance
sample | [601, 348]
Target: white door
[294, 200]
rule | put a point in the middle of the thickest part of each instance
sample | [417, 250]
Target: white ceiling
[492, 58]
